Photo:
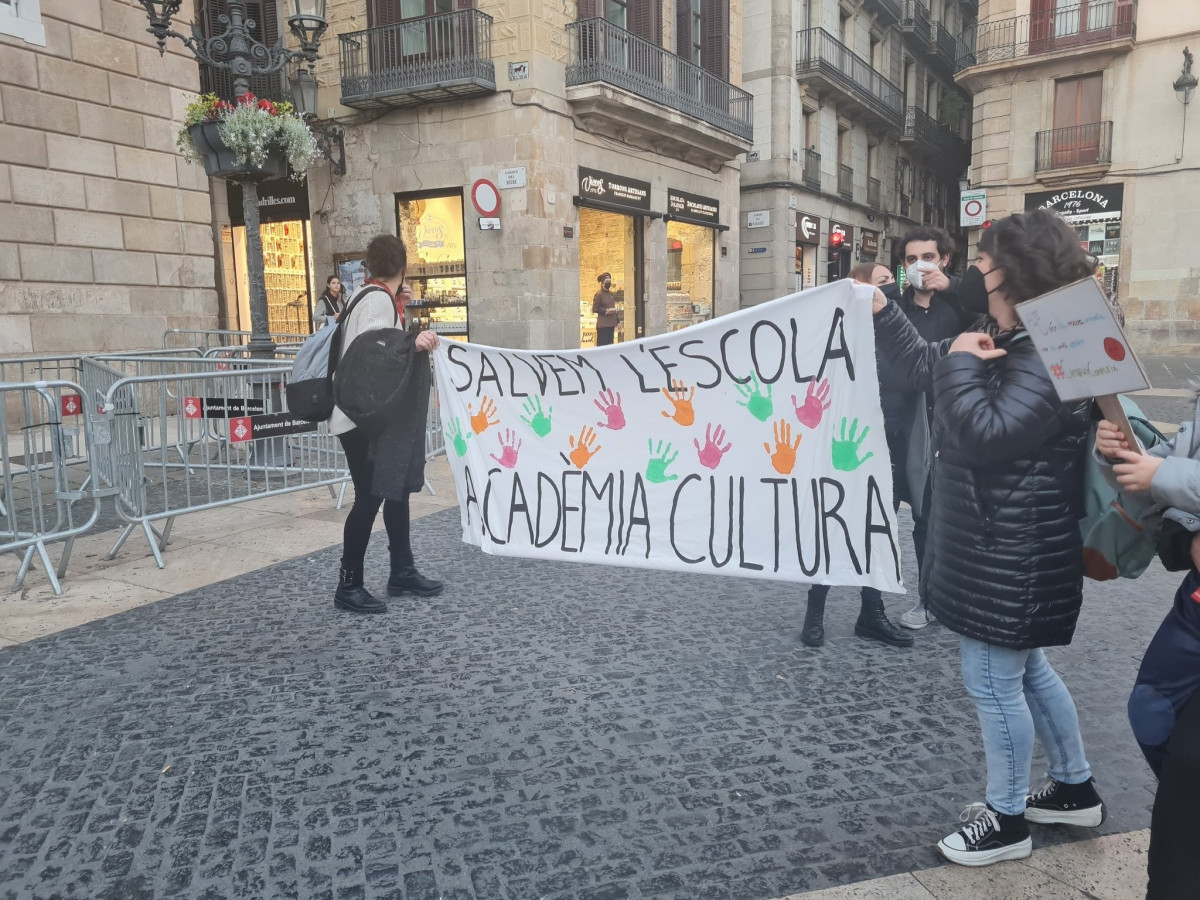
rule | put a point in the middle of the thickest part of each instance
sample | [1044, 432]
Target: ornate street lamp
[236, 51]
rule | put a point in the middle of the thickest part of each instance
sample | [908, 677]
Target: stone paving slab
[541, 730]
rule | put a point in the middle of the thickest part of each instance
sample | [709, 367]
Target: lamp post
[236, 51]
[1185, 86]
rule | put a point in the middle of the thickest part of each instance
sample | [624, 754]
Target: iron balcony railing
[812, 169]
[905, 204]
[604, 52]
[818, 51]
[1079, 145]
[422, 60]
[874, 193]
[914, 18]
[932, 137]
[885, 9]
[846, 182]
[1062, 28]
[943, 44]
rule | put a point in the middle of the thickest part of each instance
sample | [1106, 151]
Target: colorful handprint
[481, 421]
[784, 456]
[458, 437]
[510, 444]
[534, 417]
[758, 403]
[816, 401]
[660, 458]
[582, 451]
[609, 403]
[712, 451]
[845, 448]
[683, 412]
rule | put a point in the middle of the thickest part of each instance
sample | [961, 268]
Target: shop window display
[432, 231]
[690, 252]
[606, 244]
[287, 272]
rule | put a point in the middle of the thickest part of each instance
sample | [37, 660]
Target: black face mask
[972, 293]
[891, 291]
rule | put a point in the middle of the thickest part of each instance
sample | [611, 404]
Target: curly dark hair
[945, 243]
[386, 257]
[1038, 252]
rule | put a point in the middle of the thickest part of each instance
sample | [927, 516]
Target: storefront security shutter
[265, 30]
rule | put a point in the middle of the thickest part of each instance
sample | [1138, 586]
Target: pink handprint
[712, 451]
[816, 401]
[609, 403]
[509, 445]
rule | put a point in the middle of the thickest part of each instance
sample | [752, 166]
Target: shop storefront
[431, 226]
[1095, 215]
[808, 239]
[612, 213]
[868, 250]
[287, 256]
[692, 226]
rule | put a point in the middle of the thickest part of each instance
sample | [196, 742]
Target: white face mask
[916, 273]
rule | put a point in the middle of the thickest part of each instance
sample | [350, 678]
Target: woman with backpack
[387, 262]
[1006, 571]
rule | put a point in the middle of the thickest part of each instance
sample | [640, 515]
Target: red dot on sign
[1114, 348]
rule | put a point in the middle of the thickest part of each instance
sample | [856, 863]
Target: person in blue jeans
[1005, 570]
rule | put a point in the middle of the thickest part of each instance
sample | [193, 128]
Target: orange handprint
[583, 451]
[784, 457]
[481, 421]
[683, 414]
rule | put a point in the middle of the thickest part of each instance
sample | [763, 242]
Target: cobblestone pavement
[542, 730]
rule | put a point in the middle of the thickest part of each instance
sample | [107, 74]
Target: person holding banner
[387, 261]
[1006, 571]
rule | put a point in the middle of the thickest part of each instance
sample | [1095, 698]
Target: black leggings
[1174, 827]
[359, 522]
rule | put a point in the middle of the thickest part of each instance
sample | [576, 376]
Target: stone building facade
[523, 148]
[859, 131]
[1075, 110]
[105, 232]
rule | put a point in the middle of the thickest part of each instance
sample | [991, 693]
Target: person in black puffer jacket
[1006, 555]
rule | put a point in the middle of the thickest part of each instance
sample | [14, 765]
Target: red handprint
[609, 403]
[816, 401]
[712, 451]
[509, 445]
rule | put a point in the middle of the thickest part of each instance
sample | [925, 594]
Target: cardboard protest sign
[1080, 341]
[752, 445]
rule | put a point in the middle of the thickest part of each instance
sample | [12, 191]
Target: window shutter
[588, 9]
[464, 4]
[683, 29]
[714, 37]
[266, 30]
[383, 12]
[645, 20]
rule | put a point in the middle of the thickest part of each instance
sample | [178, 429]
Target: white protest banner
[1081, 343]
[751, 445]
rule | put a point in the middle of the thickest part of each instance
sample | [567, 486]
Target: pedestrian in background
[1006, 570]
[387, 260]
[329, 304]
[604, 306]
[873, 623]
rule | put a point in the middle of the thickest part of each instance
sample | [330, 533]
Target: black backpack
[373, 378]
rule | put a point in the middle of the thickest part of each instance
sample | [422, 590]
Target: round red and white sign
[972, 208]
[486, 197]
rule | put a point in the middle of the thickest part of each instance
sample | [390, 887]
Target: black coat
[1006, 555]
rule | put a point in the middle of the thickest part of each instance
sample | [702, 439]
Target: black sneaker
[1059, 803]
[988, 837]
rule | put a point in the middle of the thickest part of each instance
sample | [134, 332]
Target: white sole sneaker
[1020, 850]
[1091, 817]
[916, 620]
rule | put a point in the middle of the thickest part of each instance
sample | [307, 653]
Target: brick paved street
[539, 731]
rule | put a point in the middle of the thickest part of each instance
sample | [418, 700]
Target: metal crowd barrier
[207, 339]
[39, 486]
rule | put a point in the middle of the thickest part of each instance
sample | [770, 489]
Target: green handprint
[458, 437]
[758, 403]
[660, 458]
[534, 417]
[845, 449]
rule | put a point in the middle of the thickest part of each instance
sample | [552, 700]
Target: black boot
[813, 633]
[351, 594]
[873, 623]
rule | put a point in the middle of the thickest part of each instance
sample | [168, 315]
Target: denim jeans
[1017, 694]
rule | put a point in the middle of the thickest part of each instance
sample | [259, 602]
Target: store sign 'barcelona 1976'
[1096, 200]
[615, 189]
[693, 208]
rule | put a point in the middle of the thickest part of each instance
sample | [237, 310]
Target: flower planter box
[221, 162]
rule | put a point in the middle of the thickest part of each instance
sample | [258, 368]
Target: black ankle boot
[813, 633]
[409, 581]
[352, 596]
[873, 623]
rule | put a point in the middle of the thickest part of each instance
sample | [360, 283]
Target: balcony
[715, 118]
[943, 47]
[437, 58]
[874, 193]
[915, 21]
[812, 169]
[887, 12]
[828, 66]
[905, 205]
[1102, 24]
[846, 182]
[1081, 150]
[936, 144]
